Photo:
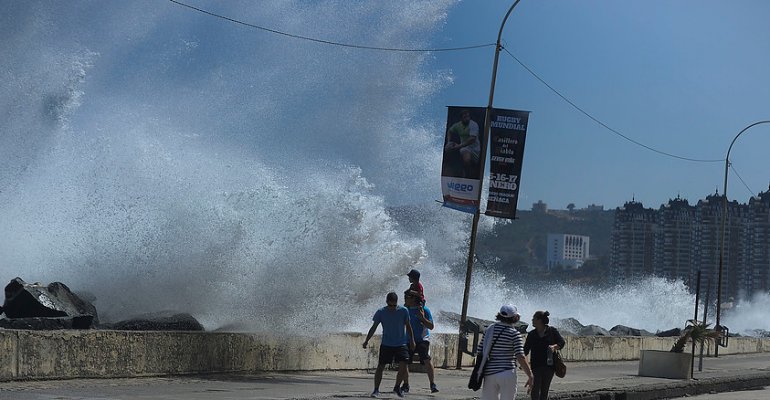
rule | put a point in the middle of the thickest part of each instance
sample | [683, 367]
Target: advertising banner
[506, 150]
[461, 165]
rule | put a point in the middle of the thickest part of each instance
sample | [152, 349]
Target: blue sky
[683, 77]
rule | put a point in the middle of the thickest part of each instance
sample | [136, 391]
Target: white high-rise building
[567, 250]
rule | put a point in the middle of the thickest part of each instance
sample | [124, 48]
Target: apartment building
[566, 250]
[678, 240]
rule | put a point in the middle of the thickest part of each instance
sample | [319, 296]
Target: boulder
[160, 321]
[25, 300]
[568, 326]
[594, 330]
[758, 333]
[676, 332]
[451, 318]
[567, 332]
[621, 330]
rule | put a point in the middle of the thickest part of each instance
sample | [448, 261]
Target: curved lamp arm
[724, 222]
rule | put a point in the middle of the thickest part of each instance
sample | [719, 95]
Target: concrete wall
[617, 348]
[101, 353]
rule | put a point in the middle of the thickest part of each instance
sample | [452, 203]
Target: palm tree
[698, 332]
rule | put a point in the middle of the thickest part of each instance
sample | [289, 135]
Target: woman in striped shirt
[502, 348]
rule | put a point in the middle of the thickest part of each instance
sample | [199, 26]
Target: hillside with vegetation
[519, 247]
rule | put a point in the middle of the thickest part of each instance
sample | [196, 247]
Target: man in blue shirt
[395, 328]
[422, 322]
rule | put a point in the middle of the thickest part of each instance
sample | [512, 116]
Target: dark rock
[594, 330]
[621, 330]
[451, 318]
[162, 321]
[758, 333]
[567, 332]
[73, 304]
[568, 326]
[676, 332]
[24, 300]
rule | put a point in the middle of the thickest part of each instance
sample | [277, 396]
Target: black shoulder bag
[477, 377]
[558, 362]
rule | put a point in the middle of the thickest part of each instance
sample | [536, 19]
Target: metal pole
[695, 318]
[482, 161]
[724, 220]
[705, 315]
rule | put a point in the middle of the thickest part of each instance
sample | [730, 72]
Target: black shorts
[389, 353]
[422, 349]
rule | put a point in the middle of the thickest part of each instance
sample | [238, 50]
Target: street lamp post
[724, 221]
[482, 161]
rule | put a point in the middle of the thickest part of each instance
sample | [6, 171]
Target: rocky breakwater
[34, 306]
[38, 307]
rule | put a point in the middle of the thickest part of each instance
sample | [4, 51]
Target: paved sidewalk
[586, 380]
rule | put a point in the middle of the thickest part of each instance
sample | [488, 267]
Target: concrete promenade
[600, 380]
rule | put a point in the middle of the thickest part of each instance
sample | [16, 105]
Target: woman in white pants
[503, 347]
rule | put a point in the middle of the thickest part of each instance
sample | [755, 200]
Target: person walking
[542, 342]
[396, 333]
[421, 320]
[503, 350]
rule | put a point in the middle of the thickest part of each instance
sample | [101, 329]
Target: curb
[673, 390]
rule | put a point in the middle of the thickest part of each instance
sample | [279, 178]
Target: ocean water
[161, 159]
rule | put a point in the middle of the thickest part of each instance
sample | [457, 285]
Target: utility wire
[329, 42]
[751, 192]
[575, 106]
[445, 49]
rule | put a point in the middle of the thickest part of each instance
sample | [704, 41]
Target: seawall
[69, 354]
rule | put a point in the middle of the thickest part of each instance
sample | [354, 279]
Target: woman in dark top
[542, 341]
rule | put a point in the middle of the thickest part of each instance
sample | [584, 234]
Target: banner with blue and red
[461, 166]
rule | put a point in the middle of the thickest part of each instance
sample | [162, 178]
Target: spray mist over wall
[163, 159]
